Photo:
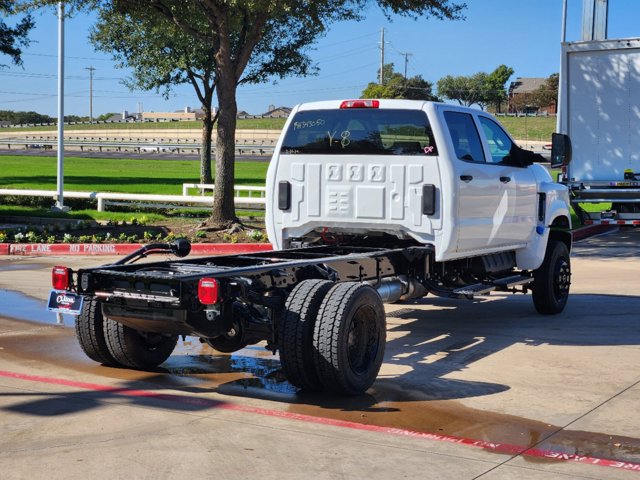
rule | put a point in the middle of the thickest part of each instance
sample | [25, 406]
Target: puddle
[13, 266]
[19, 306]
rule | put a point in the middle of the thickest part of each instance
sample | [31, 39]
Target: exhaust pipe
[399, 288]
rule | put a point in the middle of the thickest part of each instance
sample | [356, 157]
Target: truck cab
[427, 172]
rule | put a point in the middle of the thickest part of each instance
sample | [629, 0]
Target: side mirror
[560, 150]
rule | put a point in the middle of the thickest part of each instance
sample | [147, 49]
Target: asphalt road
[485, 390]
[126, 155]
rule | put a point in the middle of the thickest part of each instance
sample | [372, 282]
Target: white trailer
[600, 111]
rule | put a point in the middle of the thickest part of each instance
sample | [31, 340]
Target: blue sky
[524, 35]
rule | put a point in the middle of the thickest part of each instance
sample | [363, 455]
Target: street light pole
[60, 177]
[91, 70]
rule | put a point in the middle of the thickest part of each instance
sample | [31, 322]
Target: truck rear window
[363, 131]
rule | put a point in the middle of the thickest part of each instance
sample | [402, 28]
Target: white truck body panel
[495, 210]
[600, 110]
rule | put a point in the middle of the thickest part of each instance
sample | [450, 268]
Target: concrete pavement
[468, 390]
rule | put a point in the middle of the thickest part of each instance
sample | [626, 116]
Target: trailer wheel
[135, 349]
[552, 280]
[349, 338]
[296, 333]
[90, 333]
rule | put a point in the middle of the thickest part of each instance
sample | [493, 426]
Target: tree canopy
[480, 88]
[13, 38]
[397, 86]
[251, 40]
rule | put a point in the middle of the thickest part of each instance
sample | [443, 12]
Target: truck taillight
[360, 104]
[208, 291]
[60, 278]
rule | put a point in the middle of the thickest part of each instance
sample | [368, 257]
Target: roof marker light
[360, 104]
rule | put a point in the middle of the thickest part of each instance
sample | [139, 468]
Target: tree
[466, 90]
[247, 36]
[161, 55]
[397, 86]
[19, 118]
[480, 88]
[548, 93]
[496, 82]
[12, 39]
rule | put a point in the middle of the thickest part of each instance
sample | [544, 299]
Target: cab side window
[500, 144]
[465, 137]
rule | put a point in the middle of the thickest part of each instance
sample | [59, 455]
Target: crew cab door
[518, 183]
[490, 215]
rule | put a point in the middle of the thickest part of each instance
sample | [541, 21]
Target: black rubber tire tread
[544, 297]
[90, 333]
[128, 346]
[296, 333]
[330, 339]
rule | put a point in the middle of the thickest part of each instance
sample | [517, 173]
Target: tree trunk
[224, 212]
[205, 152]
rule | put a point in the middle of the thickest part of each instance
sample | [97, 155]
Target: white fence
[148, 200]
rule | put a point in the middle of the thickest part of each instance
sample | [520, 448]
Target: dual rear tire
[333, 336]
[117, 345]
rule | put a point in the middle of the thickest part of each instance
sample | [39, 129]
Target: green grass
[530, 128]
[521, 128]
[115, 175]
[19, 211]
[243, 124]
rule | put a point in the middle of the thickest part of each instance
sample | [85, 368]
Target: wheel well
[560, 230]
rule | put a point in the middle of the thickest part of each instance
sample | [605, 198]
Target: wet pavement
[468, 390]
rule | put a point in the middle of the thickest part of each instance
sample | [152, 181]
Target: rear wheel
[135, 349]
[90, 333]
[552, 280]
[296, 333]
[349, 338]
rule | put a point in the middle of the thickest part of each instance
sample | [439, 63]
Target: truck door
[496, 199]
[517, 185]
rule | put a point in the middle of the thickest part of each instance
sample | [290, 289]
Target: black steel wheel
[349, 338]
[296, 333]
[90, 333]
[135, 349]
[551, 282]
[229, 342]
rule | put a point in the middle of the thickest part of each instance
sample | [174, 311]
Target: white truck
[369, 201]
[600, 111]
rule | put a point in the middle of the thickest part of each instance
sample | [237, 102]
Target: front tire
[552, 280]
[135, 349]
[349, 338]
[90, 333]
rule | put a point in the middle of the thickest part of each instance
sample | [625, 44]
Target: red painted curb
[504, 448]
[590, 231]
[42, 249]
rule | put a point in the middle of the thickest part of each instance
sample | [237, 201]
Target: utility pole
[382, 56]
[406, 61]
[91, 70]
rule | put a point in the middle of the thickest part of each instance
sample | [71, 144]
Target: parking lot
[487, 390]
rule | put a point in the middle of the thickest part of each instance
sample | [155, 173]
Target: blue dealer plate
[65, 302]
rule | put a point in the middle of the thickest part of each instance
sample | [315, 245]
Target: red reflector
[636, 222]
[360, 104]
[60, 277]
[588, 222]
[621, 222]
[208, 291]
[605, 222]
